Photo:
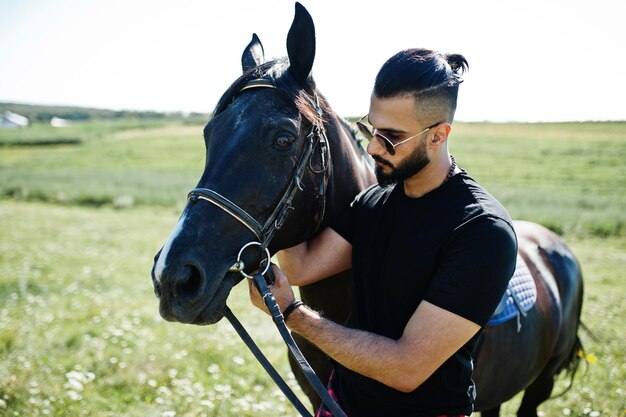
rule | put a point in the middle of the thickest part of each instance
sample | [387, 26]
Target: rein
[264, 233]
[261, 285]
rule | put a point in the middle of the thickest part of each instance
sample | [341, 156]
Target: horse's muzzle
[187, 293]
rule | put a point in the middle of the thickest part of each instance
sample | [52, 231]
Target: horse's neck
[351, 168]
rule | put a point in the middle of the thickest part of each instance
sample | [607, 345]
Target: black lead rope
[309, 373]
[278, 380]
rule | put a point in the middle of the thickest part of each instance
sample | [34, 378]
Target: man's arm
[431, 336]
[325, 255]
[429, 339]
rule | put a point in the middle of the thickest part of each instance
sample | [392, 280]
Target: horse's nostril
[190, 284]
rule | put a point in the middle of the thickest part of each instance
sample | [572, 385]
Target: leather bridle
[264, 232]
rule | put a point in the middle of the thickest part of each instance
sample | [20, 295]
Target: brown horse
[510, 360]
[265, 124]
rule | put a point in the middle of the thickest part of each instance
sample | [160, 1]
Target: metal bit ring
[241, 265]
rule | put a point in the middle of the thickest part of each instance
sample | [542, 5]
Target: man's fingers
[254, 293]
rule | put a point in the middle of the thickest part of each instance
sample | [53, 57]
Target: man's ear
[440, 134]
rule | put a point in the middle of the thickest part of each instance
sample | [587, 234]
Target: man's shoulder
[373, 196]
[478, 202]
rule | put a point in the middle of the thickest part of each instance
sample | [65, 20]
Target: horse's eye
[284, 141]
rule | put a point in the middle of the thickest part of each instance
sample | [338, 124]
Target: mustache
[382, 161]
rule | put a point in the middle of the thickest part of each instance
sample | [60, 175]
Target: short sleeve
[345, 223]
[474, 269]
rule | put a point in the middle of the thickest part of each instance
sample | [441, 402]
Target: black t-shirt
[454, 247]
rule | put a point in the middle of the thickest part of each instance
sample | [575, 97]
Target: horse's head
[265, 156]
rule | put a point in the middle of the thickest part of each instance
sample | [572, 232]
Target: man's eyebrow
[386, 129]
[391, 130]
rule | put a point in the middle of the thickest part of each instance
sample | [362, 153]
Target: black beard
[410, 166]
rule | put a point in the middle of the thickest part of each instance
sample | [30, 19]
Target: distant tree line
[43, 114]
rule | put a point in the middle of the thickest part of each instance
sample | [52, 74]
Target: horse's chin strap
[279, 320]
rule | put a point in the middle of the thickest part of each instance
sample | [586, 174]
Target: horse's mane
[352, 131]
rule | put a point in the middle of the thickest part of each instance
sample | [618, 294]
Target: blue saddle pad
[522, 287]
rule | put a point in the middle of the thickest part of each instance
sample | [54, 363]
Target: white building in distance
[10, 120]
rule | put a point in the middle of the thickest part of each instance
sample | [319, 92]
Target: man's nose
[374, 147]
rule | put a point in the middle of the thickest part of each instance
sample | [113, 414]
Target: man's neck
[432, 176]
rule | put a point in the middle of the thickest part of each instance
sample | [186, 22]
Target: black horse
[281, 165]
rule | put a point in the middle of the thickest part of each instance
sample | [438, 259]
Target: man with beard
[431, 253]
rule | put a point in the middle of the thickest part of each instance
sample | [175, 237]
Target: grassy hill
[568, 176]
[81, 221]
[44, 113]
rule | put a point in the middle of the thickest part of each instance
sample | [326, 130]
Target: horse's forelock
[269, 70]
[276, 72]
[307, 100]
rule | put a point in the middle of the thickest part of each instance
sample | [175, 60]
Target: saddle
[519, 297]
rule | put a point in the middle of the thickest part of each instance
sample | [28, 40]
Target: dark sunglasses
[390, 146]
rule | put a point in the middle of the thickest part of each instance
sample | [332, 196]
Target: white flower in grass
[34, 388]
[242, 404]
[208, 403]
[199, 388]
[262, 406]
[76, 379]
[223, 388]
[180, 355]
[238, 360]
[213, 368]
[164, 391]
[74, 384]
[223, 391]
[74, 396]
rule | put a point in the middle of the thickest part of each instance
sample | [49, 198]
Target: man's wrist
[301, 319]
[291, 308]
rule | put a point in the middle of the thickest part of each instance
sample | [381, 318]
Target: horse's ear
[301, 45]
[253, 55]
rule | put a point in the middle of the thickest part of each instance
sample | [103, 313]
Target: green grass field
[80, 332]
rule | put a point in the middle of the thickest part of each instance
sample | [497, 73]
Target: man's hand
[280, 288]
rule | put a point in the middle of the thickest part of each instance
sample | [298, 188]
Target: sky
[532, 60]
